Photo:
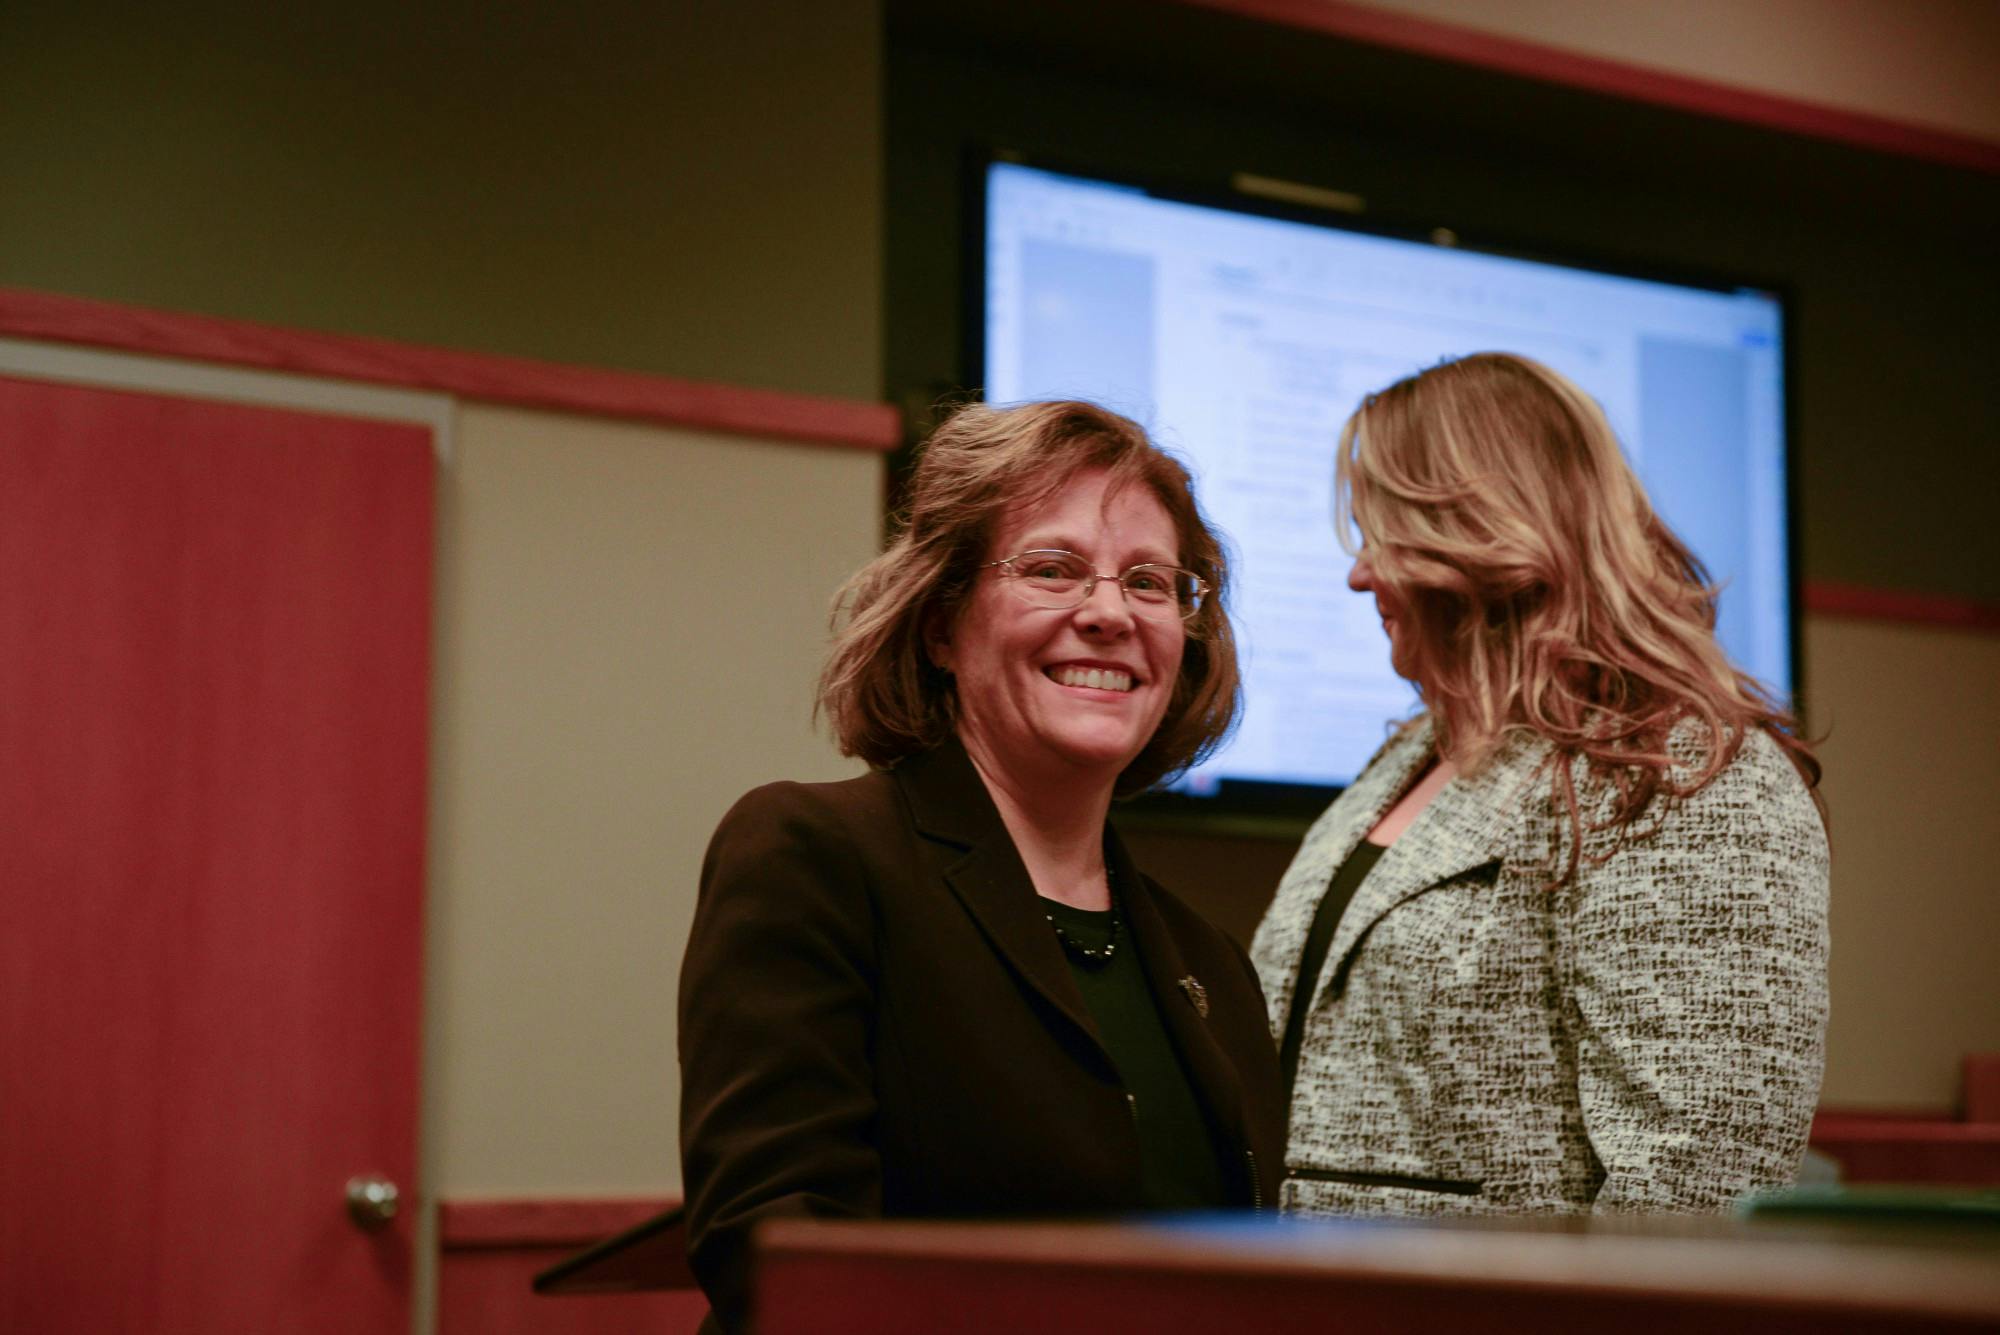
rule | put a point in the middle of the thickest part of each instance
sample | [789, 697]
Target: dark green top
[1177, 1157]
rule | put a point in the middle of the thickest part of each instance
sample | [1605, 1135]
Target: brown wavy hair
[1540, 590]
[880, 691]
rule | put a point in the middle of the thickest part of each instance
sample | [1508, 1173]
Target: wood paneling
[214, 686]
[485, 1291]
[1291, 1277]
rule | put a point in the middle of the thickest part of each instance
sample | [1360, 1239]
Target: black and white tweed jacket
[1646, 1037]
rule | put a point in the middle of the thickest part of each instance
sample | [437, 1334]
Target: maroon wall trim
[489, 1252]
[1444, 41]
[1924, 609]
[569, 1222]
[520, 381]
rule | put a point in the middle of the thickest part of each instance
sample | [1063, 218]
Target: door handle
[371, 1201]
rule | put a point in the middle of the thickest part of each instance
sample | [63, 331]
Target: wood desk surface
[1621, 1276]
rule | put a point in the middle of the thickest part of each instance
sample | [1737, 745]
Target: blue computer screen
[1244, 341]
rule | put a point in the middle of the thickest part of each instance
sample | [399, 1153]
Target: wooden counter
[1620, 1277]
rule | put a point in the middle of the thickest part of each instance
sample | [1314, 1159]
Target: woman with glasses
[943, 988]
[1561, 947]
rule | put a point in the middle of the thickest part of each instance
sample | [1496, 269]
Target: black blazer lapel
[1181, 998]
[978, 860]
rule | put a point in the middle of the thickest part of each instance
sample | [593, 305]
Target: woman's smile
[1091, 676]
[1067, 694]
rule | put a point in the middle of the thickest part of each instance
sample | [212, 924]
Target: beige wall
[1912, 722]
[630, 619]
[1924, 62]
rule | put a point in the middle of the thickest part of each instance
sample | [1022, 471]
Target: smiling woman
[1053, 700]
[944, 988]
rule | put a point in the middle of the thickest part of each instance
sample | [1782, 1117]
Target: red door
[214, 631]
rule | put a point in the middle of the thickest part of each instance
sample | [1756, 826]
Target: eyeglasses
[1063, 579]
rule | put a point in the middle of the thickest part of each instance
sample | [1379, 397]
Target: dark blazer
[876, 1019]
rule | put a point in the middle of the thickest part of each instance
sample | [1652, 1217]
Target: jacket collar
[1467, 825]
[951, 807]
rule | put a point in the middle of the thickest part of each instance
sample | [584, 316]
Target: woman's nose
[1360, 577]
[1105, 609]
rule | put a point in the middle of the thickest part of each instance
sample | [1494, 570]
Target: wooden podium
[1289, 1277]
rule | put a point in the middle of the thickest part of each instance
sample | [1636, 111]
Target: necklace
[1102, 955]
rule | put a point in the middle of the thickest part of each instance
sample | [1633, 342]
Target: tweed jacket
[1648, 1036]
[877, 1019]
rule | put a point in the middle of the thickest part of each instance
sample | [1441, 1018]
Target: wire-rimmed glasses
[1058, 579]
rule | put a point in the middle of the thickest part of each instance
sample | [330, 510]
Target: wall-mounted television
[1243, 334]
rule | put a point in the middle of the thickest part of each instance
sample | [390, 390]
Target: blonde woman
[1562, 945]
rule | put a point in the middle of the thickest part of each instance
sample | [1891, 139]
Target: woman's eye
[1048, 570]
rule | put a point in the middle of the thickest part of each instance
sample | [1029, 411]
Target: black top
[1326, 920]
[1177, 1163]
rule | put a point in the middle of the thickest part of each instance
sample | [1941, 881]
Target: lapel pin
[1197, 995]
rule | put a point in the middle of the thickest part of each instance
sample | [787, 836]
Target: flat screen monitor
[1243, 340]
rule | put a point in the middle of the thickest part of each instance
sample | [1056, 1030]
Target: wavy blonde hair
[1540, 590]
[880, 691]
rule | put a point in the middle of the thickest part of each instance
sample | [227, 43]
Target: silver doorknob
[371, 1201]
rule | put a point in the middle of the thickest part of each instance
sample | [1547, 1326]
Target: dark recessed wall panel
[689, 189]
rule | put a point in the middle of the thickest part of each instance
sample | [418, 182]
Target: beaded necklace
[1103, 954]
